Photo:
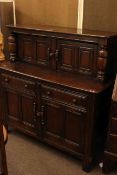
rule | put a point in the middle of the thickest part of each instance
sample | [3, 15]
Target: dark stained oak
[60, 81]
[69, 80]
[64, 30]
[84, 52]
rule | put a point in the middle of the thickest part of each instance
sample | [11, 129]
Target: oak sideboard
[56, 86]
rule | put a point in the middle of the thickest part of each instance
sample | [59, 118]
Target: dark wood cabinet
[57, 85]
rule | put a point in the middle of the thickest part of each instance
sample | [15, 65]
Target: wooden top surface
[65, 30]
[66, 79]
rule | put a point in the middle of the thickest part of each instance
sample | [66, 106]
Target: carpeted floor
[26, 156]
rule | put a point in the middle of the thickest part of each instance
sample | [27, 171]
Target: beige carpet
[26, 156]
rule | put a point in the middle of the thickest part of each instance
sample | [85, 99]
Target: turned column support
[2, 57]
[12, 47]
[101, 63]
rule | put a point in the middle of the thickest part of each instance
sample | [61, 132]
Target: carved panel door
[66, 56]
[52, 121]
[74, 130]
[76, 56]
[63, 127]
[19, 102]
[35, 50]
[19, 110]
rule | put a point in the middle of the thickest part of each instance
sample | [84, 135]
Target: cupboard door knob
[38, 114]
[51, 54]
[34, 107]
[34, 119]
[6, 80]
[42, 123]
[48, 92]
[57, 55]
[74, 100]
[25, 85]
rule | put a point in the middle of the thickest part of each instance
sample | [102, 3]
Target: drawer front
[113, 128]
[65, 96]
[17, 83]
[112, 144]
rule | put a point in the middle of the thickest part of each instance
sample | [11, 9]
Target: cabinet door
[35, 50]
[44, 51]
[19, 110]
[63, 127]
[77, 56]
[19, 103]
[53, 120]
[74, 130]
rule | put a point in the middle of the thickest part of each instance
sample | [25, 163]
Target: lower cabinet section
[70, 119]
[63, 127]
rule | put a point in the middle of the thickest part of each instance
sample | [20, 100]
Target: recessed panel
[54, 119]
[86, 60]
[73, 127]
[67, 56]
[27, 110]
[12, 99]
[28, 49]
[41, 52]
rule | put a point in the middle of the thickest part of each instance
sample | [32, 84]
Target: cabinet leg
[10, 129]
[87, 165]
[107, 165]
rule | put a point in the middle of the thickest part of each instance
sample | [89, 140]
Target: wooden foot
[107, 165]
[87, 165]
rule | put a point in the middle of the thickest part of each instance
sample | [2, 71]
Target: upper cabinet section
[90, 53]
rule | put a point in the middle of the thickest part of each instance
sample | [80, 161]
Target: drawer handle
[34, 119]
[48, 92]
[6, 80]
[25, 85]
[74, 100]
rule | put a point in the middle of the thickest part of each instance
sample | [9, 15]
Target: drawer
[112, 144]
[113, 128]
[17, 83]
[65, 96]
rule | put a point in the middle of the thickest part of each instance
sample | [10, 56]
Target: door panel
[53, 119]
[77, 56]
[27, 48]
[74, 129]
[35, 50]
[20, 105]
[66, 59]
[27, 111]
[13, 111]
[86, 60]
[43, 49]
[64, 126]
